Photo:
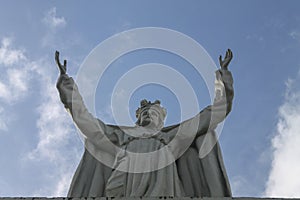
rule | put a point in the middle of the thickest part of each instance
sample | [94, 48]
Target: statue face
[151, 118]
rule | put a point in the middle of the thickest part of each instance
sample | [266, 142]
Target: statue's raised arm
[196, 138]
[92, 128]
[212, 115]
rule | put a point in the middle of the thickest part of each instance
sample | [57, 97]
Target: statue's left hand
[228, 57]
[62, 68]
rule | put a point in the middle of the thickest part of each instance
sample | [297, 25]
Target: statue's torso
[148, 153]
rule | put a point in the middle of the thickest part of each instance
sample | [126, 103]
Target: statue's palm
[62, 68]
[228, 57]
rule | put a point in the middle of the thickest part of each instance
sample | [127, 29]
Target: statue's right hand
[62, 68]
[224, 63]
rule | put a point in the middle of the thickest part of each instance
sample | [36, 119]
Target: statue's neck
[150, 129]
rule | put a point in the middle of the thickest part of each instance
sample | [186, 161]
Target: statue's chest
[143, 145]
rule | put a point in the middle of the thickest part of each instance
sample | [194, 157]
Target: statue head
[151, 114]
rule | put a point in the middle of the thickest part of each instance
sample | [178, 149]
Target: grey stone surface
[187, 159]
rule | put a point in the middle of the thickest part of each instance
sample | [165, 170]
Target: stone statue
[189, 175]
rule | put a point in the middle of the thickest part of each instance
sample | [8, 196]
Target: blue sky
[39, 145]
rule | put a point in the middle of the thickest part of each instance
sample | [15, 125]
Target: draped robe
[190, 174]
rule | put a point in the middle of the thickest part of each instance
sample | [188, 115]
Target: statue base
[143, 198]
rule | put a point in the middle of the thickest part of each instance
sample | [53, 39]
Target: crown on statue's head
[146, 105]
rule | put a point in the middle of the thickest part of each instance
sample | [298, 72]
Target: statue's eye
[154, 113]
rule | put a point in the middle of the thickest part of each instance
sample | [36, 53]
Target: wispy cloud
[17, 69]
[15, 77]
[295, 35]
[3, 120]
[56, 134]
[240, 186]
[58, 145]
[9, 56]
[52, 20]
[53, 124]
[284, 176]
[53, 24]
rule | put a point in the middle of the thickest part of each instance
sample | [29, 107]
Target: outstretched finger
[65, 63]
[227, 53]
[220, 59]
[57, 58]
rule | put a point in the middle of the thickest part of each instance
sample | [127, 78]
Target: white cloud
[295, 35]
[52, 20]
[4, 92]
[3, 120]
[56, 134]
[15, 76]
[284, 176]
[240, 186]
[63, 184]
[53, 25]
[58, 146]
[10, 56]
[17, 69]
[53, 124]
[16, 85]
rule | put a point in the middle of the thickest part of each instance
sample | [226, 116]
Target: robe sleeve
[209, 117]
[92, 128]
[201, 168]
[212, 115]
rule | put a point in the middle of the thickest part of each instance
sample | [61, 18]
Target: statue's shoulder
[169, 128]
[118, 127]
